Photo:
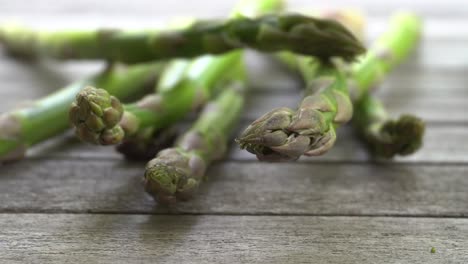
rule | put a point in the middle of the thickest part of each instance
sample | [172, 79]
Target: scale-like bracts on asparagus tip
[284, 134]
[101, 119]
[387, 137]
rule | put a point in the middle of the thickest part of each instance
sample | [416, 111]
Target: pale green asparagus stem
[298, 33]
[386, 53]
[284, 134]
[47, 117]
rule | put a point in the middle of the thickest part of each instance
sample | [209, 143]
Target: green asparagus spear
[22, 128]
[183, 86]
[277, 136]
[387, 137]
[284, 134]
[175, 173]
[270, 33]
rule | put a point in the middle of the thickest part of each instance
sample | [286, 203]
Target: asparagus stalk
[270, 33]
[175, 173]
[101, 119]
[47, 117]
[386, 53]
[387, 137]
[284, 134]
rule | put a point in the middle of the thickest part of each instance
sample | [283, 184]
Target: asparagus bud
[387, 137]
[96, 114]
[284, 134]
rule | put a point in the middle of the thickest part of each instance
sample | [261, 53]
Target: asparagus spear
[47, 117]
[270, 33]
[184, 85]
[175, 173]
[284, 134]
[386, 53]
[101, 119]
[387, 137]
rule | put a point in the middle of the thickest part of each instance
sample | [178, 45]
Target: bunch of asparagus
[204, 72]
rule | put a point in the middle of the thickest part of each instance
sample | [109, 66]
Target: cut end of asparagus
[173, 175]
[96, 115]
[285, 135]
[403, 136]
[147, 143]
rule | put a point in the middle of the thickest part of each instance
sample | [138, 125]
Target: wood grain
[241, 188]
[39, 238]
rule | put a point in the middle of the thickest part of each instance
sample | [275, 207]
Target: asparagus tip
[173, 175]
[96, 115]
[403, 136]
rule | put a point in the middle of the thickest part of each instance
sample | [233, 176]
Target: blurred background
[133, 13]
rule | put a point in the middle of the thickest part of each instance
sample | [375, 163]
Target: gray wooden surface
[70, 202]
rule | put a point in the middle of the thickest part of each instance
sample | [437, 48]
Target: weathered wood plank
[38, 238]
[241, 188]
[442, 144]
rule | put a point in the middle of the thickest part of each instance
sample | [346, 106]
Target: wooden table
[74, 203]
